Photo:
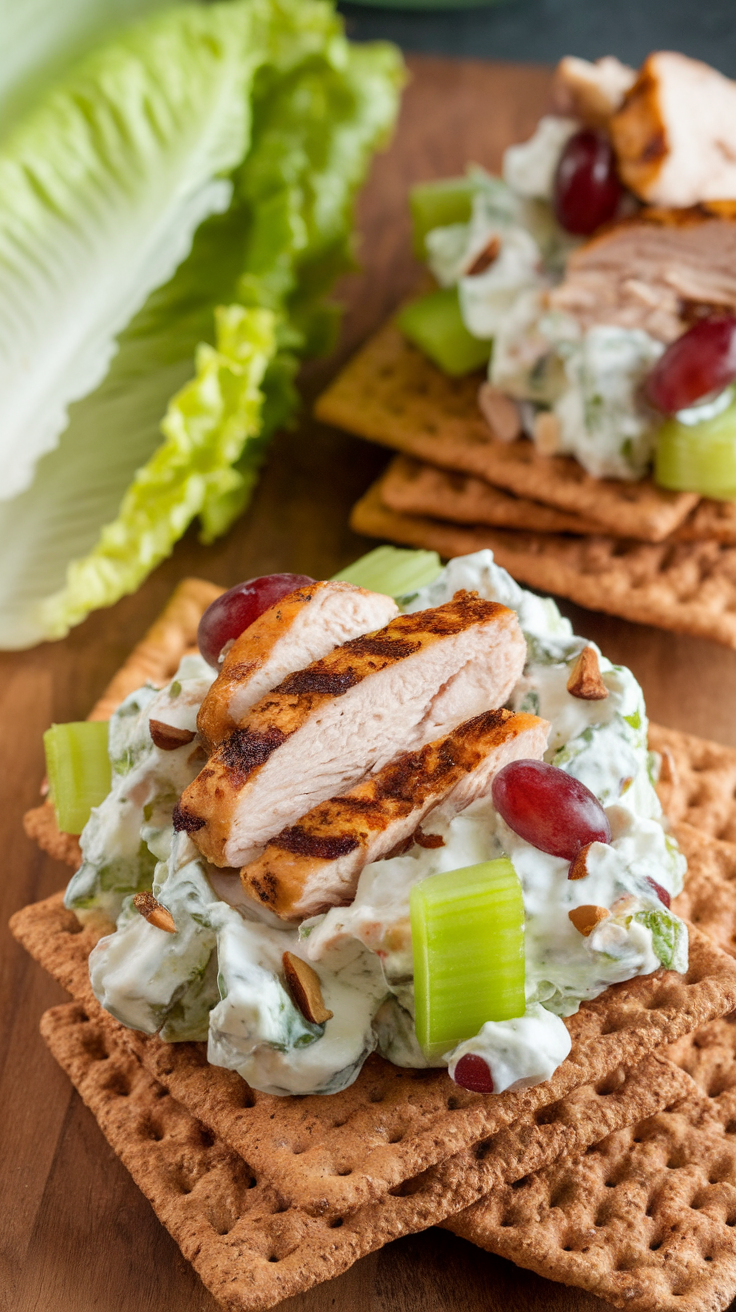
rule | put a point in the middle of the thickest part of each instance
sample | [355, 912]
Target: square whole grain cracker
[697, 781]
[253, 1247]
[414, 487]
[688, 587]
[154, 660]
[392, 394]
[338, 1152]
[646, 1218]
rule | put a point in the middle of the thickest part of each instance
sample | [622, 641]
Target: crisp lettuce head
[180, 205]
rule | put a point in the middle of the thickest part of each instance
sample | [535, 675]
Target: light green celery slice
[392, 570]
[467, 929]
[437, 205]
[79, 772]
[434, 324]
[699, 457]
[206, 427]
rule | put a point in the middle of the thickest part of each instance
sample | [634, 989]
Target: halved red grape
[662, 893]
[587, 190]
[229, 615]
[701, 362]
[473, 1073]
[550, 809]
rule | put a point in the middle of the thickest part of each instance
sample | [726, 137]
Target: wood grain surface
[76, 1235]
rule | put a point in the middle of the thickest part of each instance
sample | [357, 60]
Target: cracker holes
[118, 1084]
[74, 927]
[206, 1137]
[336, 1223]
[154, 1131]
[611, 1084]
[94, 1046]
[343, 1170]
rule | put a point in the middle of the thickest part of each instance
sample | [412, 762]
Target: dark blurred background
[541, 31]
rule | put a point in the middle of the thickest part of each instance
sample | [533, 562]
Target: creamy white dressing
[220, 976]
[520, 1052]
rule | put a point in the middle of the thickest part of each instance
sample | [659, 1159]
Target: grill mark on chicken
[315, 863]
[184, 822]
[247, 749]
[396, 649]
[325, 847]
[326, 683]
[290, 636]
[472, 650]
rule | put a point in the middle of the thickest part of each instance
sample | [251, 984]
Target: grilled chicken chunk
[346, 716]
[658, 271]
[591, 91]
[675, 134]
[300, 628]
[315, 864]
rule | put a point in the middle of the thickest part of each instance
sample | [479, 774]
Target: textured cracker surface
[709, 896]
[698, 781]
[415, 488]
[646, 1218]
[689, 587]
[336, 1153]
[253, 1247]
[390, 393]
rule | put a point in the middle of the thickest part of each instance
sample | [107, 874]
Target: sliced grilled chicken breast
[658, 271]
[675, 134]
[315, 864]
[342, 718]
[298, 629]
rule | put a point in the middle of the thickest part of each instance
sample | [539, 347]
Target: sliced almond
[547, 433]
[428, 840]
[667, 768]
[579, 864]
[484, 259]
[154, 912]
[168, 737]
[585, 680]
[500, 412]
[586, 918]
[305, 989]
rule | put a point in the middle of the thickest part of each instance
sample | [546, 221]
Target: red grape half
[472, 1072]
[587, 190]
[548, 808]
[701, 362]
[230, 615]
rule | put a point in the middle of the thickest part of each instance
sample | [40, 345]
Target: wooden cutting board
[76, 1235]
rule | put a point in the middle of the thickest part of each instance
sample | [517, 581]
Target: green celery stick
[438, 204]
[392, 570]
[434, 324]
[467, 929]
[78, 768]
[699, 457]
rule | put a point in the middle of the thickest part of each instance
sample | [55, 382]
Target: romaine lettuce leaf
[101, 191]
[319, 107]
[207, 425]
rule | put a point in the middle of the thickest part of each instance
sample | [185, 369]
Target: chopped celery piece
[467, 930]
[434, 324]
[438, 204]
[78, 768]
[699, 457]
[392, 570]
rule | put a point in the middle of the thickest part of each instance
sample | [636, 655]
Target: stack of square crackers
[617, 1175]
[632, 549]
